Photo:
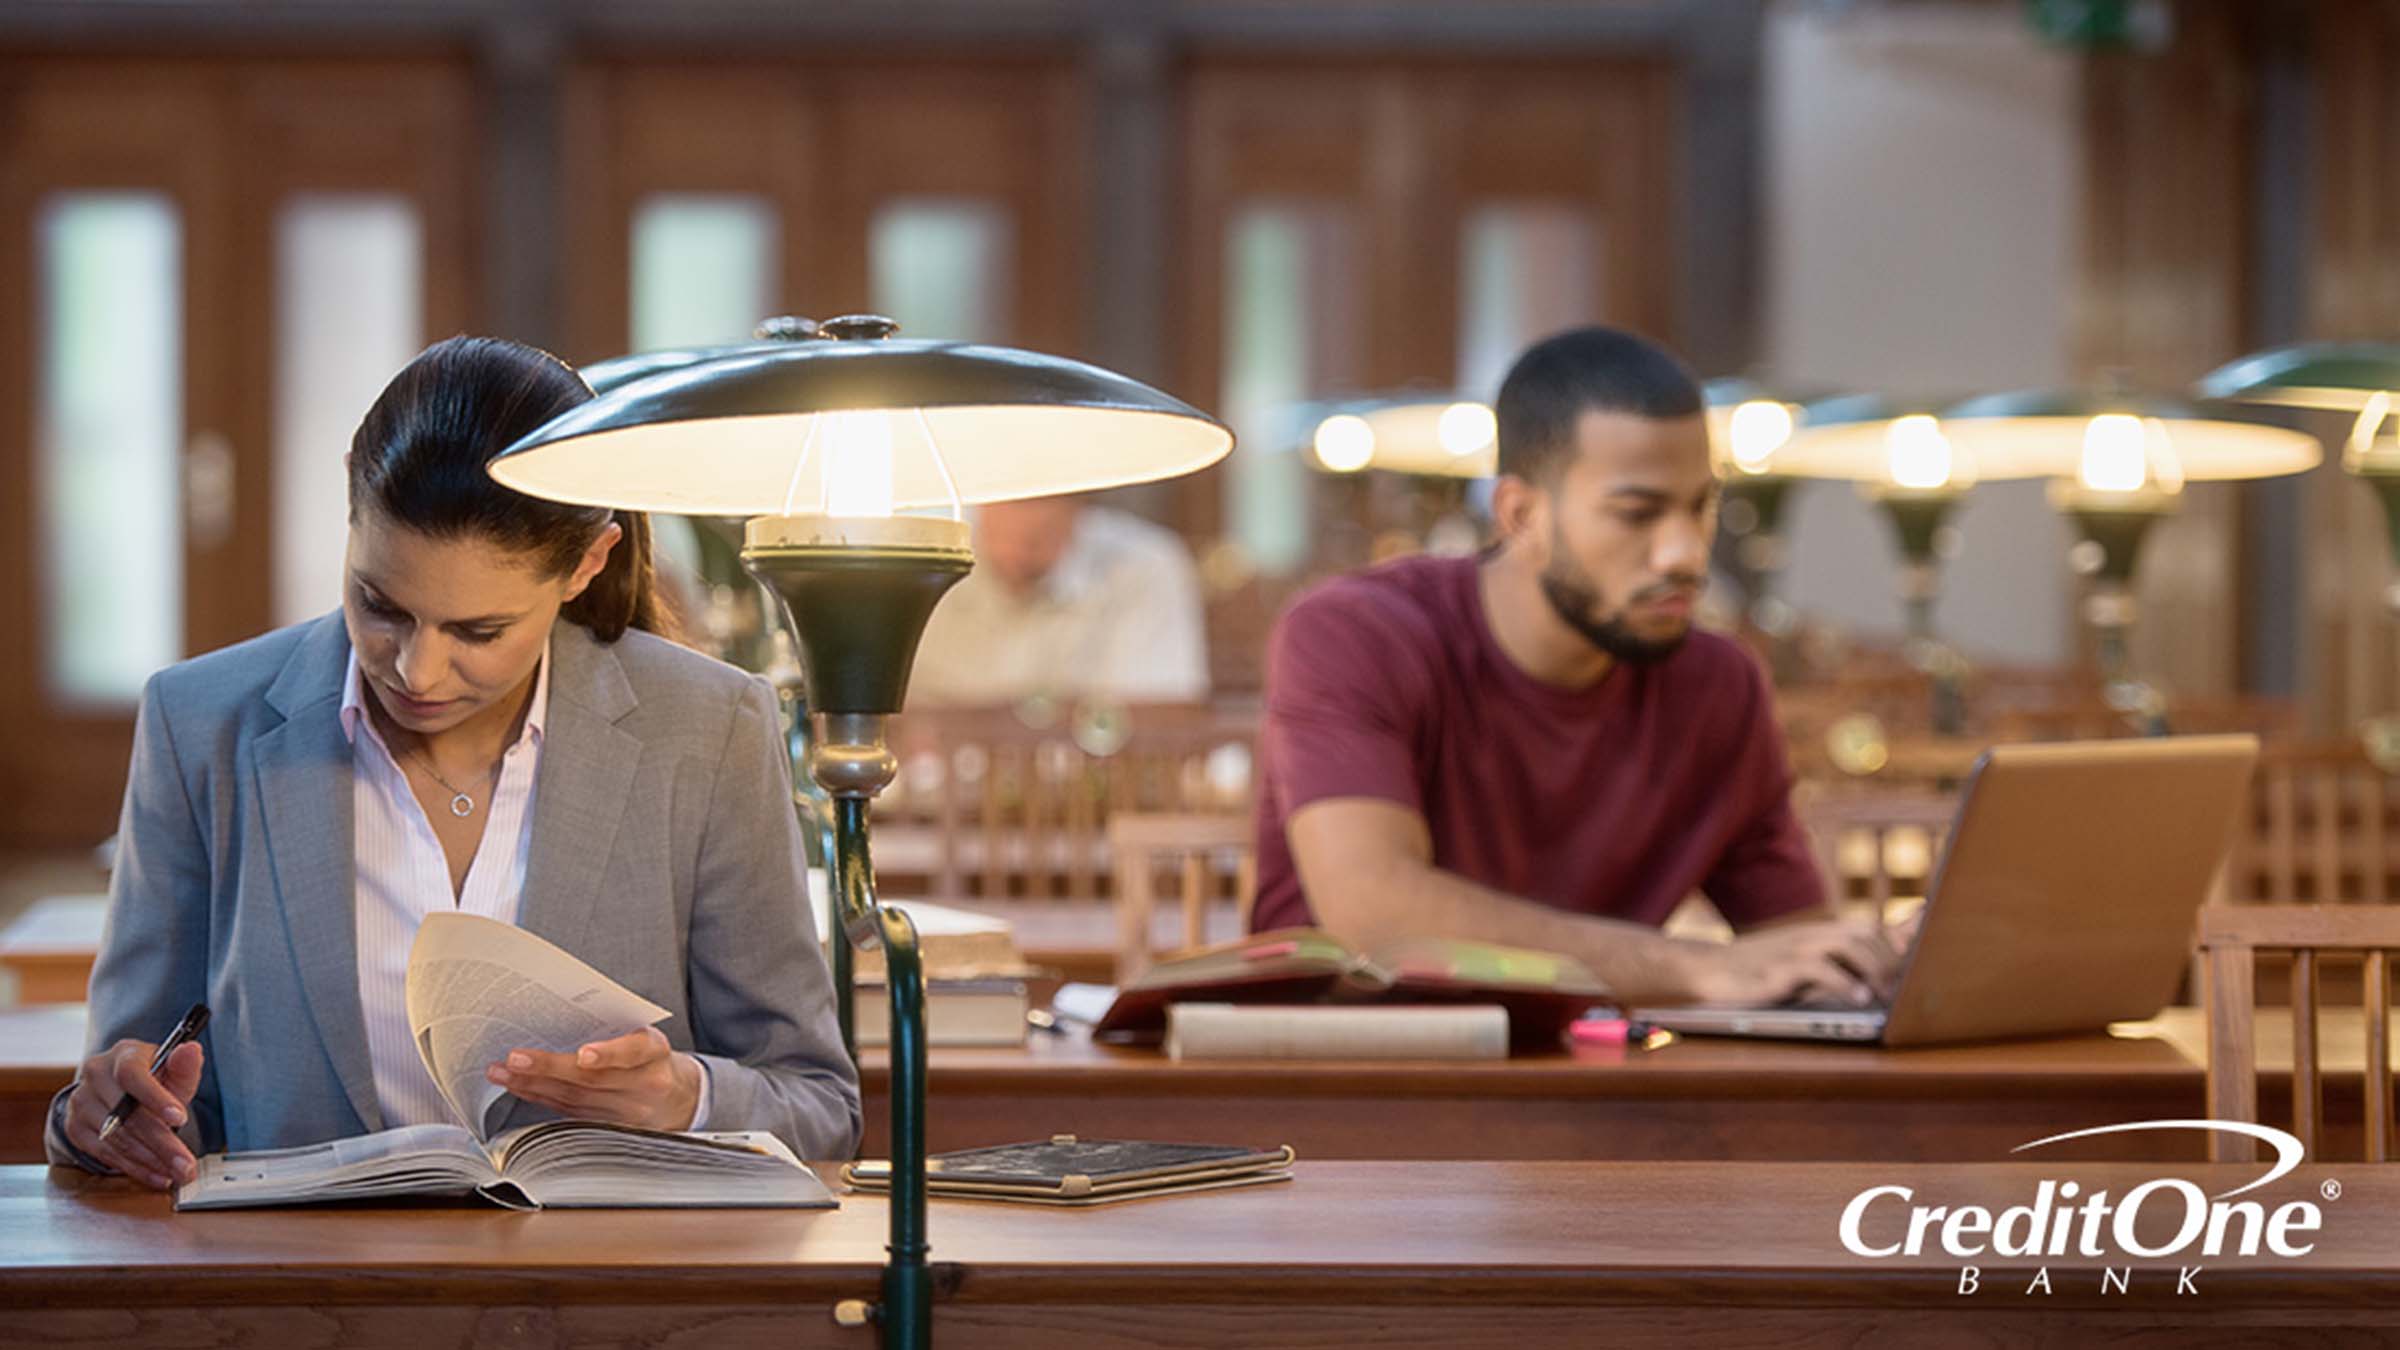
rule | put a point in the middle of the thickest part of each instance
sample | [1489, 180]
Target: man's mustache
[1679, 587]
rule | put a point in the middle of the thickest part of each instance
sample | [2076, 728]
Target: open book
[477, 989]
[1541, 991]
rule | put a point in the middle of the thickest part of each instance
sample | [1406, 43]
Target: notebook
[1065, 1170]
[2064, 902]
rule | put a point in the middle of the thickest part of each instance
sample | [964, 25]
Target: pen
[184, 1031]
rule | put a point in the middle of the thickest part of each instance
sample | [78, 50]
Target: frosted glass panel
[109, 423]
[1293, 331]
[1527, 271]
[704, 268]
[349, 312]
[940, 266]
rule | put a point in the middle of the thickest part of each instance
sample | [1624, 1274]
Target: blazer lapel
[305, 785]
[586, 777]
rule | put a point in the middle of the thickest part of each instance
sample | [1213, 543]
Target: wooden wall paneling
[641, 127]
[2354, 292]
[1250, 132]
[1009, 132]
[2165, 179]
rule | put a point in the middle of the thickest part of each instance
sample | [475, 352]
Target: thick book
[988, 1012]
[1543, 992]
[1065, 1170]
[476, 989]
[555, 1164]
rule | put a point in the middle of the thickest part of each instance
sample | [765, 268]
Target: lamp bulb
[858, 463]
[1754, 432]
[1465, 428]
[1345, 443]
[1920, 453]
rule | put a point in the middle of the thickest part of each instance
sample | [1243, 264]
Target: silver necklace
[461, 805]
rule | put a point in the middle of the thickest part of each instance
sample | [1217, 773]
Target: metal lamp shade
[2335, 376]
[2041, 433]
[727, 437]
[1405, 434]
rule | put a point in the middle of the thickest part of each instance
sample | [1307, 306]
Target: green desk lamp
[1747, 425]
[852, 454]
[1901, 460]
[2117, 461]
[2360, 378]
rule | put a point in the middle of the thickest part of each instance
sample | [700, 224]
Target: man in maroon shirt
[1534, 747]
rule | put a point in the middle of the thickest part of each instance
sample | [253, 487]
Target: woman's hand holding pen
[634, 1079]
[145, 1146]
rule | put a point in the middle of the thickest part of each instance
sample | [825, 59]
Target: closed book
[957, 1012]
[1371, 1031]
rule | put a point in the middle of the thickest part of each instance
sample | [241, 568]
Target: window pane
[1528, 269]
[349, 312]
[1292, 334]
[110, 422]
[940, 267]
[704, 268]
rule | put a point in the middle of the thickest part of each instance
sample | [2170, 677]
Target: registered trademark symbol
[2331, 1190]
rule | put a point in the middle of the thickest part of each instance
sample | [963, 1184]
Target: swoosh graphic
[2288, 1151]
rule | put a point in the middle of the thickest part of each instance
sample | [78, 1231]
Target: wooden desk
[1527, 1255]
[49, 947]
[1696, 1099]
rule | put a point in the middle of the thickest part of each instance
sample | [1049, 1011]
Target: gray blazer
[665, 852]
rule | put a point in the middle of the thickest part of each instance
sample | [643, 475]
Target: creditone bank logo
[2165, 1219]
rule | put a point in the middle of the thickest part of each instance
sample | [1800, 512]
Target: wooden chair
[990, 808]
[2231, 936]
[2319, 829]
[1212, 859]
[1877, 847]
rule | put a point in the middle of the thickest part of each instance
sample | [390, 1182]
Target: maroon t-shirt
[1617, 800]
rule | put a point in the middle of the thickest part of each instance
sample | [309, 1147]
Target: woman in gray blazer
[297, 803]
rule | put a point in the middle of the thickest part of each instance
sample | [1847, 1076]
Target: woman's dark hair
[418, 459]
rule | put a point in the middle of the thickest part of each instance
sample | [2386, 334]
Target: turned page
[479, 988]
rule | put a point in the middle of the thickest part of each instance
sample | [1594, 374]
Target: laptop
[2065, 900]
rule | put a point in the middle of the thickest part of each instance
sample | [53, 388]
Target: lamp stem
[907, 1307]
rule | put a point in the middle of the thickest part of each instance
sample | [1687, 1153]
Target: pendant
[462, 805]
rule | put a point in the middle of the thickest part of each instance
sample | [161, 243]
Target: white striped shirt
[403, 875]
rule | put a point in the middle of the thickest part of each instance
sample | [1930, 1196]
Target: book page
[479, 988]
[414, 1159]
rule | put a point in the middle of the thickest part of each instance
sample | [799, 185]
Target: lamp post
[828, 446]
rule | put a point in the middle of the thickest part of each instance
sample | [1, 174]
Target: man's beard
[1578, 605]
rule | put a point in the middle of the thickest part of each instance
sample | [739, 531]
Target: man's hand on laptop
[1824, 962]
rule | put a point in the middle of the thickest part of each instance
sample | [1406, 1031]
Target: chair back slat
[2377, 1001]
[2308, 1096]
[2232, 1051]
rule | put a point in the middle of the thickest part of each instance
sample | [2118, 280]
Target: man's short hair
[1597, 369]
